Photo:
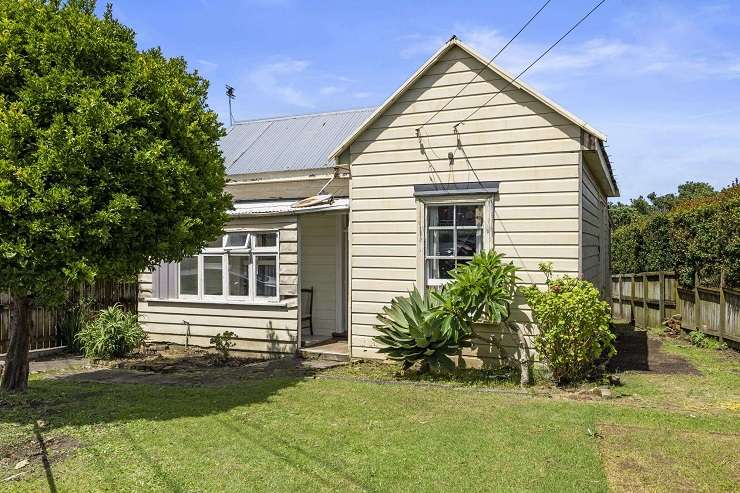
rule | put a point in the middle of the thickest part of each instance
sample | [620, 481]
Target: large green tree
[622, 214]
[108, 158]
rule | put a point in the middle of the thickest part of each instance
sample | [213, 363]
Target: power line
[533, 63]
[487, 64]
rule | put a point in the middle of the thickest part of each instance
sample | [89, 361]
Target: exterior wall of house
[594, 233]
[532, 151]
[318, 250]
[262, 329]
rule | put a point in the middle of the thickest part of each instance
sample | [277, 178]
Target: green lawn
[336, 433]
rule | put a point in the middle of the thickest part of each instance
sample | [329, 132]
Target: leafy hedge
[701, 235]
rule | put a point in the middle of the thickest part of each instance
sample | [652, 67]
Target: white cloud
[665, 49]
[329, 90]
[362, 95]
[207, 64]
[278, 79]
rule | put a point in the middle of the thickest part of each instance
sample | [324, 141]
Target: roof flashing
[458, 188]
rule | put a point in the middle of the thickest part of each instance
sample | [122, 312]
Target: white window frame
[226, 253]
[198, 269]
[422, 211]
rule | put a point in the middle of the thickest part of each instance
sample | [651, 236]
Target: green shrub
[700, 339]
[112, 333]
[699, 236]
[434, 326]
[706, 232]
[480, 291]
[413, 330]
[74, 319]
[626, 247]
[657, 249]
[223, 343]
[573, 327]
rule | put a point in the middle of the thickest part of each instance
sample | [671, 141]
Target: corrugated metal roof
[287, 143]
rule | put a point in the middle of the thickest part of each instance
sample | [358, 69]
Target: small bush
[223, 343]
[111, 334]
[481, 290]
[413, 330]
[573, 325]
[700, 339]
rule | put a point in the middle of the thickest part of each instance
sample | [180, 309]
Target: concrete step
[317, 353]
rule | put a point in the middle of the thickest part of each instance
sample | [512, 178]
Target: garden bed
[168, 358]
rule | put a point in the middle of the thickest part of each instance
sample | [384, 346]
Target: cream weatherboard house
[397, 200]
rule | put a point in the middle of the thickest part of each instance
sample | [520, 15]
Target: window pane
[469, 215]
[237, 239]
[265, 240]
[213, 275]
[189, 276]
[469, 242]
[439, 268]
[441, 242]
[441, 215]
[217, 243]
[239, 275]
[266, 276]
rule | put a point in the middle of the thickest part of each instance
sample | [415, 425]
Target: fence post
[722, 306]
[661, 293]
[644, 301]
[697, 300]
[676, 299]
[632, 300]
[619, 290]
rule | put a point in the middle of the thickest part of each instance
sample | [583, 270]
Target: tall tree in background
[622, 214]
[108, 158]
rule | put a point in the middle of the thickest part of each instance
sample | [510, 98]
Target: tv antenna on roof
[231, 95]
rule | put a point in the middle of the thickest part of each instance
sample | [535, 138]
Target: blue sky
[660, 78]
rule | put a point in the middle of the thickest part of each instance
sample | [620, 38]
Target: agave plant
[413, 329]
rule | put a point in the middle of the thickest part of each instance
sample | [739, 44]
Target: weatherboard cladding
[288, 143]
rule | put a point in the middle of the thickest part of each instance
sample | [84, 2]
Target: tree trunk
[15, 374]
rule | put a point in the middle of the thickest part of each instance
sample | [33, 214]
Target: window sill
[192, 301]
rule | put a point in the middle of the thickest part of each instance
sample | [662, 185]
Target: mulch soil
[639, 351]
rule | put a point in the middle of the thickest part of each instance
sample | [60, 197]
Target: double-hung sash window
[455, 222]
[454, 233]
[237, 266]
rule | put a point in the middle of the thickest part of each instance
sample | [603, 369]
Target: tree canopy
[622, 214]
[109, 161]
[108, 156]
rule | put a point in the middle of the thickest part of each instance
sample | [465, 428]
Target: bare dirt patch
[215, 376]
[20, 459]
[172, 358]
[639, 351]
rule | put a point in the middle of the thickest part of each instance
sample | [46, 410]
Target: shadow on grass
[70, 401]
[282, 449]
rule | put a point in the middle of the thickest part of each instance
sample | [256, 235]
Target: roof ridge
[304, 115]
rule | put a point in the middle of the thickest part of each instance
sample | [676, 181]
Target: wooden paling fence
[648, 298]
[45, 332]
